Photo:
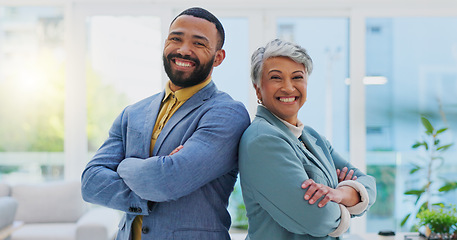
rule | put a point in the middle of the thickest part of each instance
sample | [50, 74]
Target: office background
[68, 67]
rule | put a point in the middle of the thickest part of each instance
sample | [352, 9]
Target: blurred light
[370, 80]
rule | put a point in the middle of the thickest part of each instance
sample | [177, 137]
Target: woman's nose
[288, 87]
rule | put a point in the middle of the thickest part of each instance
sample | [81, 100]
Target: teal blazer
[273, 164]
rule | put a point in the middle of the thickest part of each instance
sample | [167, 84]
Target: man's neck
[175, 88]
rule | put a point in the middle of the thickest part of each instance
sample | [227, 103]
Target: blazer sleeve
[101, 184]
[274, 173]
[365, 180]
[210, 152]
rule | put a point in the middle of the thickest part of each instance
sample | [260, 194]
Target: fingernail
[306, 197]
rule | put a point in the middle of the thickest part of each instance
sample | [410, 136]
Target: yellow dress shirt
[170, 103]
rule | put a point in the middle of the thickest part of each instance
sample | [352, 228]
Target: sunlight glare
[29, 83]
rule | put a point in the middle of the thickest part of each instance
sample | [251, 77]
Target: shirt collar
[296, 130]
[185, 93]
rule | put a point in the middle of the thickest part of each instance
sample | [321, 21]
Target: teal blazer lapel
[317, 155]
[314, 155]
[273, 120]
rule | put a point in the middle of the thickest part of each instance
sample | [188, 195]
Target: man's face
[190, 51]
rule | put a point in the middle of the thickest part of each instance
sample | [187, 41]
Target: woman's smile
[287, 99]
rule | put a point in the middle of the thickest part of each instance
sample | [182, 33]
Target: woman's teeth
[287, 99]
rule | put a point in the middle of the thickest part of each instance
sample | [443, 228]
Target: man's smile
[183, 63]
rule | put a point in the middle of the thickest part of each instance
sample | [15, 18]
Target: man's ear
[219, 58]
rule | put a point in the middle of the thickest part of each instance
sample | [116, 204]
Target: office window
[416, 60]
[124, 66]
[32, 77]
[232, 77]
[326, 108]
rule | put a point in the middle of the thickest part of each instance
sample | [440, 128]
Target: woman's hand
[316, 191]
[342, 174]
[345, 195]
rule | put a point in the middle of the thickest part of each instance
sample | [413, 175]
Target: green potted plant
[427, 165]
[441, 223]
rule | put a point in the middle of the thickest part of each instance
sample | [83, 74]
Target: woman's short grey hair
[278, 48]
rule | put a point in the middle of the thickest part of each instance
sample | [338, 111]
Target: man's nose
[185, 49]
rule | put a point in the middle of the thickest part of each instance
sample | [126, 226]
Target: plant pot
[441, 236]
[429, 235]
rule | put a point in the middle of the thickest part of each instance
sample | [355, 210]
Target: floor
[241, 235]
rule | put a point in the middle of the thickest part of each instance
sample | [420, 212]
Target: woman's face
[283, 87]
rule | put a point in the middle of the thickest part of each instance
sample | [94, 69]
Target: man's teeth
[290, 99]
[183, 64]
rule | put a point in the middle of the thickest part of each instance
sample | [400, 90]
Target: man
[170, 161]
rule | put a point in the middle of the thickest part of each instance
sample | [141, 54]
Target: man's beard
[199, 75]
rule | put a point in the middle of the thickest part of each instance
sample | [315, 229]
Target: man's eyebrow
[193, 36]
[176, 33]
[201, 38]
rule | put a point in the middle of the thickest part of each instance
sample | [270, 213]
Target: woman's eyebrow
[275, 70]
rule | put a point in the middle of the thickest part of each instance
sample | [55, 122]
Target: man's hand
[176, 150]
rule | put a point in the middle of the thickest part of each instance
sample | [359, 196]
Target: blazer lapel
[313, 152]
[192, 103]
[308, 139]
[150, 118]
[316, 152]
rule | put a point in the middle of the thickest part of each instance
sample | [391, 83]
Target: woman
[291, 180]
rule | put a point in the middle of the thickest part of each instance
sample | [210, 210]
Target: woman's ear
[257, 92]
[219, 58]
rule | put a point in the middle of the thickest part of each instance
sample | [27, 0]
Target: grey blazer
[273, 165]
[183, 196]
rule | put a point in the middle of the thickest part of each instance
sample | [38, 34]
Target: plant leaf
[405, 219]
[414, 192]
[437, 141]
[441, 130]
[438, 204]
[428, 126]
[423, 207]
[418, 144]
[443, 148]
[448, 187]
[417, 168]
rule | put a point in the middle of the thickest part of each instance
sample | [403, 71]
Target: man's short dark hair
[204, 14]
